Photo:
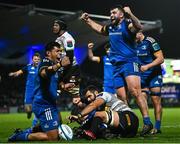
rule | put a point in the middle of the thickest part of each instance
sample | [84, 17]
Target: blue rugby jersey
[145, 52]
[108, 81]
[122, 43]
[45, 92]
[31, 72]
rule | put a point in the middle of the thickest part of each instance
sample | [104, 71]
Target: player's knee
[134, 92]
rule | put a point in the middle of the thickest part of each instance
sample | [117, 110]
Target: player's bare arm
[91, 55]
[46, 70]
[16, 74]
[136, 24]
[95, 26]
[159, 59]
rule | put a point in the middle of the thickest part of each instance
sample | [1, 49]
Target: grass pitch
[170, 128]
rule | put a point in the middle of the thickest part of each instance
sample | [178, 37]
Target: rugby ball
[65, 132]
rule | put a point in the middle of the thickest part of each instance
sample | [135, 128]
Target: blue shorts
[151, 81]
[123, 70]
[47, 115]
[29, 95]
[108, 85]
[109, 89]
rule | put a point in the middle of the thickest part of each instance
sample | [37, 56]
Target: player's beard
[115, 21]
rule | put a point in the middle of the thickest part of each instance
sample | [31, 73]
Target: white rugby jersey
[67, 41]
[113, 102]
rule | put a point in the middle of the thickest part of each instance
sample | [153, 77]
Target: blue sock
[23, 136]
[28, 130]
[158, 124]
[146, 120]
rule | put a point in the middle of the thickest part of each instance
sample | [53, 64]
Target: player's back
[113, 102]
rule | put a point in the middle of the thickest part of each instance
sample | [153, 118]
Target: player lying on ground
[119, 117]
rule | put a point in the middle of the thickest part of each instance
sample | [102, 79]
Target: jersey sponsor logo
[116, 33]
[48, 114]
[32, 72]
[142, 54]
[69, 43]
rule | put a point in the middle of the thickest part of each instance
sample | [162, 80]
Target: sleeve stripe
[151, 39]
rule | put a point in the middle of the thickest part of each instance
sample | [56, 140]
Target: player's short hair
[61, 23]
[91, 88]
[50, 46]
[120, 7]
[36, 54]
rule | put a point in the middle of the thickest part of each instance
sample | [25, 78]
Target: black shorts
[128, 124]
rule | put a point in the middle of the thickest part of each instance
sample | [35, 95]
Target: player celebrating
[45, 95]
[150, 58]
[31, 71]
[123, 55]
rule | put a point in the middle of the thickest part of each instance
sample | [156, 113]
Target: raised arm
[136, 24]
[46, 70]
[95, 26]
[16, 74]
[91, 55]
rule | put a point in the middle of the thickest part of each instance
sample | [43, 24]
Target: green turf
[170, 128]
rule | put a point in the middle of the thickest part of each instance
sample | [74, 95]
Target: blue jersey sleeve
[25, 69]
[105, 29]
[154, 45]
[44, 64]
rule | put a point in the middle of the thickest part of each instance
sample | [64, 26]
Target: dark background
[21, 34]
[165, 10]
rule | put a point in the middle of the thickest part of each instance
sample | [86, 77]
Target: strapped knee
[155, 94]
[146, 91]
